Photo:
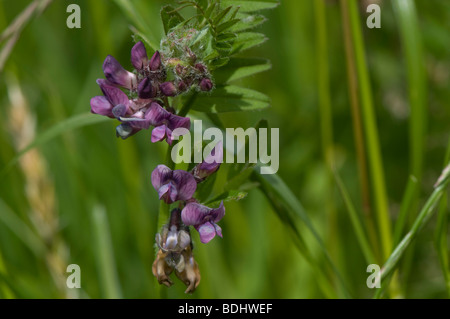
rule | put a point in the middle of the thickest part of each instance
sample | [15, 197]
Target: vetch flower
[113, 96]
[117, 75]
[173, 237]
[173, 185]
[139, 57]
[135, 115]
[175, 254]
[204, 220]
[167, 124]
[210, 164]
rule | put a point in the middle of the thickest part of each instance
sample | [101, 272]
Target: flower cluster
[147, 88]
[179, 185]
[139, 100]
[174, 241]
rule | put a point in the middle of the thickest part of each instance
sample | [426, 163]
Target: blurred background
[84, 197]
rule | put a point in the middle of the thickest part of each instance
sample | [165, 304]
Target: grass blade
[69, 124]
[21, 230]
[105, 255]
[406, 16]
[371, 130]
[405, 208]
[277, 191]
[356, 223]
[424, 216]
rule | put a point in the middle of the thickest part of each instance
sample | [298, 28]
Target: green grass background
[105, 204]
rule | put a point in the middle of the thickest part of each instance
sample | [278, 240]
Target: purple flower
[169, 122]
[117, 75]
[204, 220]
[113, 96]
[155, 62]
[173, 185]
[139, 57]
[146, 89]
[210, 164]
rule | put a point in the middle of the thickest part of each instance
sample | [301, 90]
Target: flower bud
[210, 164]
[201, 67]
[155, 62]
[139, 57]
[182, 86]
[206, 85]
[168, 89]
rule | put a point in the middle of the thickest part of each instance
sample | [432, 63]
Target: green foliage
[281, 238]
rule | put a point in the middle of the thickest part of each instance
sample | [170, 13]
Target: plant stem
[358, 132]
[326, 123]
[371, 131]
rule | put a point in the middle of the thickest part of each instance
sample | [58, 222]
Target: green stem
[371, 132]
[358, 132]
[326, 123]
[187, 106]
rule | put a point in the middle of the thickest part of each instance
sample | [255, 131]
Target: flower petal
[185, 183]
[211, 163]
[155, 62]
[218, 213]
[114, 95]
[139, 56]
[160, 175]
[158, 133]
[100, 105]
[168, 192]
[207, 232]
[176, 121]
[146, 90]
[172, 238]
[156, 114]
[137, 120]
[117, 75]
[218, 229]
[193, 214]
[125, 130]
[120, 110]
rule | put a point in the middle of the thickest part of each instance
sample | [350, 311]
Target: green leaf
[226, 197]
[250, 5]
[247, 22]
[218, 63]
[422, 219]
[236, 178]
[239, 68]
[219, 17]
[247, 40]
[104, 254]
[226, 25]
[71, 123]
[138, 21]
[231, 99]
[170, 18]
[290, 211]
[18, 227]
